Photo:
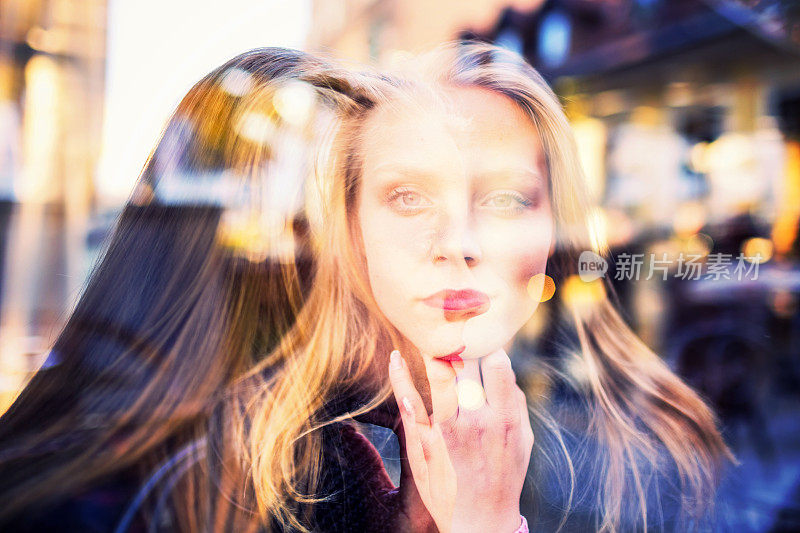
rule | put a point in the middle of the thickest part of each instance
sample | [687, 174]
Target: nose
[456, 240]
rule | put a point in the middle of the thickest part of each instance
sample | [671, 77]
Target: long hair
[192, 287]
[637, 408]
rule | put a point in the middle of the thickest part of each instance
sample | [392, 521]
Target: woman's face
[455, 217]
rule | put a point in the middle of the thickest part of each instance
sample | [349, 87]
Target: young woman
[448, 190]
[435, 209]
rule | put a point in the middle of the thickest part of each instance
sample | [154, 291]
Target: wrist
[507, 522]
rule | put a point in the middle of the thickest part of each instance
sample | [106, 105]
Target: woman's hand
[470, 457]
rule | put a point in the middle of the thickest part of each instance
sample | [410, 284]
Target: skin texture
[454, 196]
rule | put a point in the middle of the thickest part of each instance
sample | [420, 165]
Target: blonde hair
[637, 405]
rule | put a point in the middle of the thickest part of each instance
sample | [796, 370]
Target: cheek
[529, 262]
[394, 248]
[520, 252]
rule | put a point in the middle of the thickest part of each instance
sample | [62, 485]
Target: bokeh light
[256, 127]
[757, 250]
[470, 394]
[699, 244]
[237, 82]
[582, 294]
[541, 287]
[689, 218]
[294, 102]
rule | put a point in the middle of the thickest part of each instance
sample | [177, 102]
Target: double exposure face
[455, 218]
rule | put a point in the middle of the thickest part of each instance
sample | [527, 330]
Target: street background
[687, 116]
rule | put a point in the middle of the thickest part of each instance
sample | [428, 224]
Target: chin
[486, 334]
[480, 335]
[481, 349]
[479, 339]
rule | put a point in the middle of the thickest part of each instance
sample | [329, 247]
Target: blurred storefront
[85, 89]
[51, 87]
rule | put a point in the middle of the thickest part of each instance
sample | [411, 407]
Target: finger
[470, 369]
[527, 429]
[500, 383]
[471, 395]
[403, 387]
[444, 397]
[415, 451]
[440, 466]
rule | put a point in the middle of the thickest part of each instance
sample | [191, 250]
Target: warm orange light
[294, 102]
[256, 127]
[41, 124]
[698, 157]
[541, 287]
[757, 250]
[699, 244]
[784, 230]
[598, 229]
[582, 293]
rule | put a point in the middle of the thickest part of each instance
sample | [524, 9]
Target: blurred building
[51, 96]
[85, 89]
[364, 30]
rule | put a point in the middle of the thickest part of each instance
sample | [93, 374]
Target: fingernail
[409, 409]
[395, 361]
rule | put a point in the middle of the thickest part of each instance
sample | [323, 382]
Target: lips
[459, 303]
[454, 357]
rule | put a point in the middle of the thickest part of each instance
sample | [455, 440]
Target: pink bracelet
[523, 527]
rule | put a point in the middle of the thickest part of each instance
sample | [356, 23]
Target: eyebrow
[521, 174]
[391, 173]
[404, 170]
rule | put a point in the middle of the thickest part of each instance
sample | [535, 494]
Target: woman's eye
[407, 200]
[508, 201]
[410, 199]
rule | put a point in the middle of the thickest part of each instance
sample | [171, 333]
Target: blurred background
[687, 115]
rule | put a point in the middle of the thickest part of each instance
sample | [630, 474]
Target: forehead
[473, 128]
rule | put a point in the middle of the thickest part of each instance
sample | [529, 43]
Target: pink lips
[456, 304]
[455, 356]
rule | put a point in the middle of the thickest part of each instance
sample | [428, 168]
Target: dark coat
[363, 497]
